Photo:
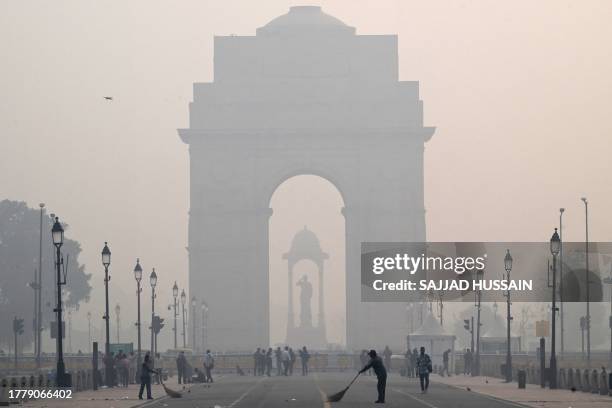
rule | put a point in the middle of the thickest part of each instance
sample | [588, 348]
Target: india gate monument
[305, 95]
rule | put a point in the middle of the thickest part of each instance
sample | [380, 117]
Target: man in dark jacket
[304, 356]
[279, 361]
[387, 353]
[377, 365]
[445, 357]
[424, 368]
[256, 361]
[181, 362]
[467, 362]
[145, 377]
[415, 358]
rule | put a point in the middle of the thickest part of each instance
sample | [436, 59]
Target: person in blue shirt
[424, 368]
[377, 365]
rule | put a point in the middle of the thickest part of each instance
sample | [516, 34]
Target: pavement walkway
[111, 397]
[532, 395]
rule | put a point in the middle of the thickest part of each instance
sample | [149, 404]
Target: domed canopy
[301, 18]
[430, 327]
[305, 245]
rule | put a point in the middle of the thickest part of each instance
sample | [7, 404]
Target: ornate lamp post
[555, 247]
[204, 325]
[153, 282]
[183, 300]
[476, 370]
[508, 268]
[89, 330]
[38, 311]
[193, 324]
[608, 281]
[588, 289]
[175, 295]
[138, 277]
[57, 234]
[106, 259]
[117, 312]
[561, 291]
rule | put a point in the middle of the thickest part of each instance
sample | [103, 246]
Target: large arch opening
[313, 203]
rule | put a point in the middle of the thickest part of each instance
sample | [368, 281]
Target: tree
[19, 241]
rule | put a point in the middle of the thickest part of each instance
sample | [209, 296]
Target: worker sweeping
[377, 365]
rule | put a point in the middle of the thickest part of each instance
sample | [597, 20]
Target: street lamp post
[153, 282]
[508, 268]
[106, 257]
[138, 277]
[57, 233]
[175, 295]
[193, 324]
[555, 247]
[582, 329]
[561, 294]
[608, 280]
[204, 325]
[183, 300]
[39, 291]
[117, 312]
[588, 289]
[89, 331]
[476, 371]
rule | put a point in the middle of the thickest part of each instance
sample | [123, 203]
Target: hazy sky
[519, 91]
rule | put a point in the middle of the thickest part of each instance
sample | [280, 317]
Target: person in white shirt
[286, 358]
[209, 364]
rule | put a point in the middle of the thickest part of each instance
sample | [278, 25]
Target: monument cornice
[370, 133]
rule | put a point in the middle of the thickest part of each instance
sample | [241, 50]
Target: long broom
[171, 393]
[338, 396]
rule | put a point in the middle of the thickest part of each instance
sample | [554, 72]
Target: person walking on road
[278, 353]
[304, 356]
[286, 361]
[424, 368]
[377, 365]
[445, 362]
[408, 363]
[363, 357]
[256, 359]
[467, 362]
[387, 353]
[414, 359]
[181, 362]
[269, 362]
[145, 377]
[209, 364]
[292, 358]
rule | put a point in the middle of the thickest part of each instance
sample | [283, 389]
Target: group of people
[200, 376]
[203, 376]
[122, 368]
[420, 364]
[263, 361]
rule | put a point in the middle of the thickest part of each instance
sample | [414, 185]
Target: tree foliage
[19, 253]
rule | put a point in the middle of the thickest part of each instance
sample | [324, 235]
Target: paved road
[310, 392]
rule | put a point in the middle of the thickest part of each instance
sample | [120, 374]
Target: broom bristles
[337, 396]
[171, 393]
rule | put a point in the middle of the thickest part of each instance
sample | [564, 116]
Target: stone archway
[306, 95]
